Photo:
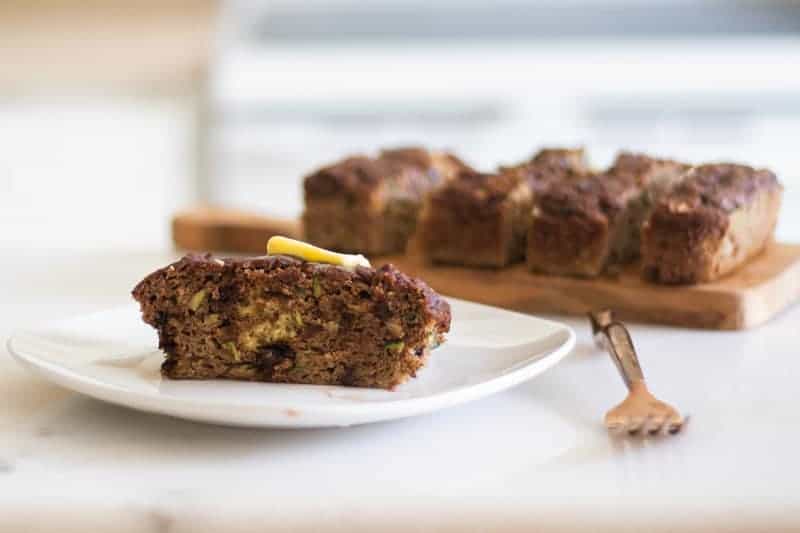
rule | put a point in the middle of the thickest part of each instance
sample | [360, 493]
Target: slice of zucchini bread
[370, 205]
[716, 219]
[582, 227]
[575, 225]
[475, 219]
[280, 319]
[479, 219]
[654, 178]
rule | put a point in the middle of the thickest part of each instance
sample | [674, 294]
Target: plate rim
[176, 406]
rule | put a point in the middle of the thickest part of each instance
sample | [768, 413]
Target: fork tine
[674, 428]
[635, 424]
[613, 420]
[617, 421]
[674, 423]
[654, 424]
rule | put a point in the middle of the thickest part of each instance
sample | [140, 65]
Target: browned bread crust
[355, 177]
[714, 221]
[567, 159]
[441, 165]
[551, 165]
[370, 205]
[279, 319]
[645, 169]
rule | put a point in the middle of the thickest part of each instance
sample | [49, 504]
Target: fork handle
[614, 337]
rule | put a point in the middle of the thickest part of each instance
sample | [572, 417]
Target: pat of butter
[285, 246]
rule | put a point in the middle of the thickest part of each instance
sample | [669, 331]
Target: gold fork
[640, 410]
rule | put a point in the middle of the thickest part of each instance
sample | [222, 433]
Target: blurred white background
[232, 103]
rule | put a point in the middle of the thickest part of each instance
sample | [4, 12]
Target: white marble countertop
[534, 457]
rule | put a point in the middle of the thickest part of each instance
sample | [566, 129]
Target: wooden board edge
[211, 228]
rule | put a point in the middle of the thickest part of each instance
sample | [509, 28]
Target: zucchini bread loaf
[370, 205]
[281, 319]
[582, 227]
[716, 219]
[481, 220]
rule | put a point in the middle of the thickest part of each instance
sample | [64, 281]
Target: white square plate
[112, 356]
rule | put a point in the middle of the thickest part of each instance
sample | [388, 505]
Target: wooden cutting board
[755, 293]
